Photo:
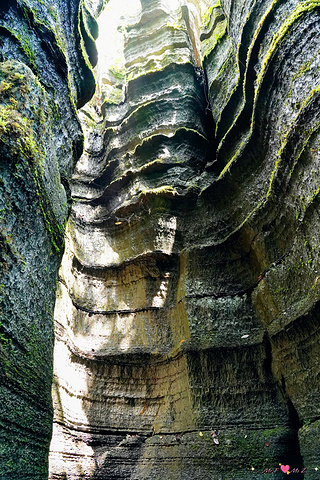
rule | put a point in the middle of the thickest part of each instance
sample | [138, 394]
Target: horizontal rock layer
[187, 311]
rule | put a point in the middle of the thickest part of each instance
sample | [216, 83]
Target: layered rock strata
[187, 323]
[45, 52]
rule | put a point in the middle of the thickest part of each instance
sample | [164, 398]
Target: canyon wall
[187, 310]
[45, 74]
[187, 315]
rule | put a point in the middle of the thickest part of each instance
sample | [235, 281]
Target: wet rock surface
[44, 75]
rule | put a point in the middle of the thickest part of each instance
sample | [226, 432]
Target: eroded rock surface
[187, 323]
[45, 53]
[187, 314]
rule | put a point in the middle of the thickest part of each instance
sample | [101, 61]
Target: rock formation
[186, 318]
[45, 52]
[187, 338]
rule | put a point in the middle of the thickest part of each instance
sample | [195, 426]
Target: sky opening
[110, 42]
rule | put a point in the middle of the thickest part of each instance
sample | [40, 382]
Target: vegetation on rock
[187, 308]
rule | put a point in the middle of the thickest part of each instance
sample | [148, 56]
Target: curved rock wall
[187, 311]
[44, 76]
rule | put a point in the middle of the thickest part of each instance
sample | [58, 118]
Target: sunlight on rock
[96, 246]
[110, 43]
[166, 234]
[179, 277]
[125, 329]
[160, 298]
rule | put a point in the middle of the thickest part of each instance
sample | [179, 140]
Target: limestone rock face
[44, 76]
[187, 314]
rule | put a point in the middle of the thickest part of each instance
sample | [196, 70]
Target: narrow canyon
[159, 228]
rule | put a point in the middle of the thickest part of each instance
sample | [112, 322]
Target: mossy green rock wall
[188, 303]
[44, 76]
[187, 312]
